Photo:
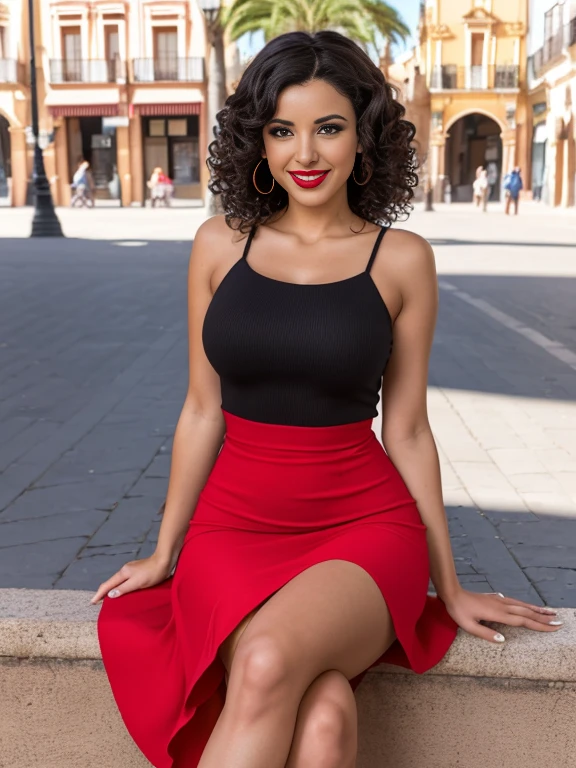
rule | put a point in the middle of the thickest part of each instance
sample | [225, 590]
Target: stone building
[121, 83]
[552, 103]
[464, 86]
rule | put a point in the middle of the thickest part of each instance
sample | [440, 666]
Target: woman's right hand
[136, 574]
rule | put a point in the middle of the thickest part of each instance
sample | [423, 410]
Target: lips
[308, 179]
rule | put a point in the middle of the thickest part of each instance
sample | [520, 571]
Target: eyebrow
[320, 120]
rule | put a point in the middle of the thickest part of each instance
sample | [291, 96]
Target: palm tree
[360, 20]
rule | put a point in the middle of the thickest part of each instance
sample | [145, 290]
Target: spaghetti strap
[381, 234]
[249, 241]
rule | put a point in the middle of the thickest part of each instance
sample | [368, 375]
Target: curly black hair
[296, 58]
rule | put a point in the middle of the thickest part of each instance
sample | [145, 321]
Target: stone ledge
[61, 624]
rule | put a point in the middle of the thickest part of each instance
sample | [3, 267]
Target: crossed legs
[289, 703]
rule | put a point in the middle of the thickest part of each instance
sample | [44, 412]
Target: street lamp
[216, 80]
[210, 8]
[45, 222]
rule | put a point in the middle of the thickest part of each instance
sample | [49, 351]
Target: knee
[328, 724]
[261, 674]
[331, 733]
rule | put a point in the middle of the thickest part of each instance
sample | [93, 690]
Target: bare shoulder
[408, 251]
[408, 260]
[215, 231]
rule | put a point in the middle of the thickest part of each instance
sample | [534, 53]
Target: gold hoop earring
[364, 182]
[256, 185]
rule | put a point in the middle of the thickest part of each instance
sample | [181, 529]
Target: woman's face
[313, 129]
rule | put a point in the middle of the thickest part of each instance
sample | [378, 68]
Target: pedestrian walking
[82, 186]
[295, 550]
[480, 189]
[512, 185]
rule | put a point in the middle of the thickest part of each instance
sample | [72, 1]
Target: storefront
[94, 140]
[5, 169]
[539, 139]
[172, 143]
[171, 136]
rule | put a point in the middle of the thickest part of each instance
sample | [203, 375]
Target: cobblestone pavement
[93, 375]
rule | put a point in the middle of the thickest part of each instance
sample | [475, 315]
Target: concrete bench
[483, 706]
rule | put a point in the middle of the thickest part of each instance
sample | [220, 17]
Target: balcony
[11, 71]
[87, 71]
[554, 47]
[169, 68]
[450, 77]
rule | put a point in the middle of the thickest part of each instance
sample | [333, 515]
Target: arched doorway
[473, 140]
[5, 164]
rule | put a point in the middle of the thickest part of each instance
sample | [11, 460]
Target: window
[477, 53]
[71, 54]
[112, 51]
[165, 53]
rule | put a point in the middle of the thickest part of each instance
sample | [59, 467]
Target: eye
[335, 129]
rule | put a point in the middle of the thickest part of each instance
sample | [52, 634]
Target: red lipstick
[317, 177]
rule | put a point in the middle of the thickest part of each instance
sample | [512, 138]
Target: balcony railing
[87, 71]
[168, 68]
[554, 46]
[11, 71]
[474, 78]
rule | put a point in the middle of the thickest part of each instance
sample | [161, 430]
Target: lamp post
[216, 80]
[45, 222]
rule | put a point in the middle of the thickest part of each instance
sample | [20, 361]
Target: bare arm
[200, 429]
[199, 432]
[406, 433]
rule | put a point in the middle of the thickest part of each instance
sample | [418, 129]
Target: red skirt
[278, 500]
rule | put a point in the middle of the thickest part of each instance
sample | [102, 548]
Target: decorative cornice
[439, 31]
[479, 17]
[514, 28]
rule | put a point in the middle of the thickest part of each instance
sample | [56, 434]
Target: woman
[301, 549]
[160, 186]
[480, 189]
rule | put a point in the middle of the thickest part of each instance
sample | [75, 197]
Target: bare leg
[326, 733]
[331, 616]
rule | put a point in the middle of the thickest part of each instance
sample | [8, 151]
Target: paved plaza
[93, 374]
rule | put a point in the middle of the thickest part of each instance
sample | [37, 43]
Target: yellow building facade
[469, 72]
[121, 83]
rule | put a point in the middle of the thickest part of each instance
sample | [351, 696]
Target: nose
[306, 152]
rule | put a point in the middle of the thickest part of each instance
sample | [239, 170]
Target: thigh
[330, 616]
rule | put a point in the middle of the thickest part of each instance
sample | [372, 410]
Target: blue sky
[409, 10]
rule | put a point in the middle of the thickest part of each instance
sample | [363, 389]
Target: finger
[485, 633]
[112, 583]
[533, 615]
[538, 608]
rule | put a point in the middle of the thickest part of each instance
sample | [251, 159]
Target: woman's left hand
[468, 609]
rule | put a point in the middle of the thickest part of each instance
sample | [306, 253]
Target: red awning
[167, 109]
[84, 110]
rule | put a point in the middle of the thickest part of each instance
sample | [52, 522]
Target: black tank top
[309, 354]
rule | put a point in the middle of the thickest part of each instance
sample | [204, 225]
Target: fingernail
[556, 623]
[550, 610]
[113, 593]
[499, 638]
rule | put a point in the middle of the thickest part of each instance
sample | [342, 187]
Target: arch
[473, 139]
[467, 112]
